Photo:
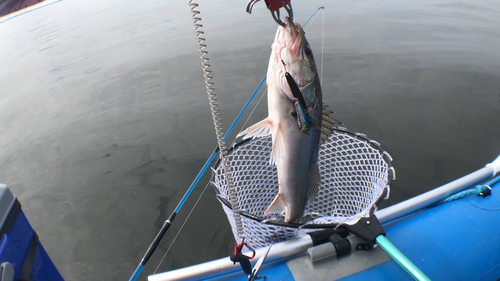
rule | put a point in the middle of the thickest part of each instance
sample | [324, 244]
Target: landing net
[355, 176]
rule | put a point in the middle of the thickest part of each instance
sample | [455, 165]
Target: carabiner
[274, 6]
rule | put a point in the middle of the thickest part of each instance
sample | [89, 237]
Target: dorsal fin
[328, 124]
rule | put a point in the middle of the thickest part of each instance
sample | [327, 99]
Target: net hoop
[356, 175]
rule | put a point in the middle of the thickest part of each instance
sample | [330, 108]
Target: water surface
[105, 120]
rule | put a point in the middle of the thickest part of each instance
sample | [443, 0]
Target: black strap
[29, 259]
[295, 90]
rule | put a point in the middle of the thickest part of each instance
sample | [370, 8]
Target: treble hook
[274, 6]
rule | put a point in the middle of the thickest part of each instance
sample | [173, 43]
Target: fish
[297, 120]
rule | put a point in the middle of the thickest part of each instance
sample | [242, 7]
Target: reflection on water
[105, 123]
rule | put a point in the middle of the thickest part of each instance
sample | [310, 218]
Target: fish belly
[298, 165]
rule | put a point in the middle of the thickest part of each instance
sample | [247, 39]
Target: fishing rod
[168, 222]
[166, 225]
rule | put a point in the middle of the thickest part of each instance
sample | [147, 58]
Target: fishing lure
[302, 117]
[300, 104]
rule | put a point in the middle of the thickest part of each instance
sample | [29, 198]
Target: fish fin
[324, 137]
[328, 124]
[326, 110]
[313, 192]
[328, 119]
[331, 121]
[277, 206]
[261, 129]
[278, 149]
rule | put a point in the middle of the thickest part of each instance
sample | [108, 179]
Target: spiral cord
[214, 108]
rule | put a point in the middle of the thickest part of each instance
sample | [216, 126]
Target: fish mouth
[290, 36]
[286, 56]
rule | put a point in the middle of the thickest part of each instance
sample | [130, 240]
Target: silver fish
[294, 150]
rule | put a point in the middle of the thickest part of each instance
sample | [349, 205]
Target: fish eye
[308, 51]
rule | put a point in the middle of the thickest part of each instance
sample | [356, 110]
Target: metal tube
[225, 265]
[292, 247]
[431, 197]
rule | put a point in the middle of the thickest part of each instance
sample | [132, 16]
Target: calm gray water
[104, 118]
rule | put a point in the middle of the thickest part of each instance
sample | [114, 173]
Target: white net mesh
[354, 171]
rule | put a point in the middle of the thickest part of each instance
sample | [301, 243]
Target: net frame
[356, 175]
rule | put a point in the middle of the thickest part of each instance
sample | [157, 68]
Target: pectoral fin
[276, 207]
[261, 129]
[278, 149]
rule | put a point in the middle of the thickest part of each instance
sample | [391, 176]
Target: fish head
[291, 53]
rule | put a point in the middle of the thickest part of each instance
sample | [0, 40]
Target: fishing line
[322, 48]
[311, 17]
[208, 183]
[182, 226]
[307, 28]
[250, 115]
[234, 141]
[315, 12]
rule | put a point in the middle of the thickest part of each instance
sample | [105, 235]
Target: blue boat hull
[22, 256]
[458, 240]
